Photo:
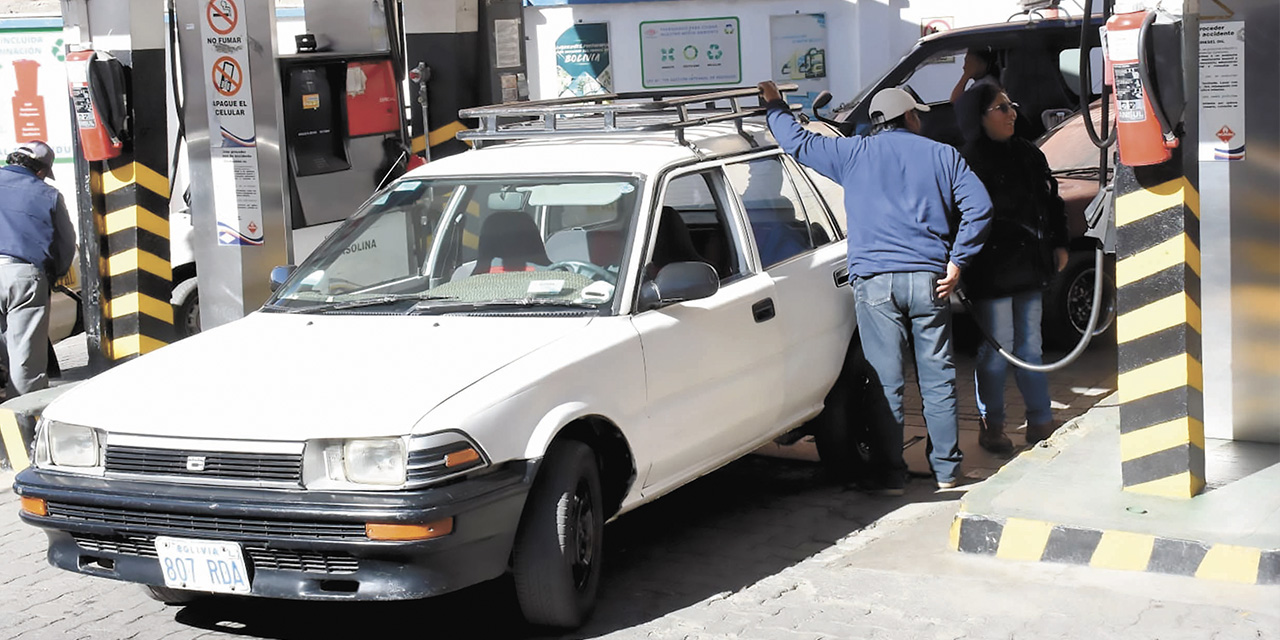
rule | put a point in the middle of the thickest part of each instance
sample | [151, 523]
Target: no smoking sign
[223, 16]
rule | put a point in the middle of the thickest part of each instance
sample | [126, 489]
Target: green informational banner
[690, 53]
[582, 61]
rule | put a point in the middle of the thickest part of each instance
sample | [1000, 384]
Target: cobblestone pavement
[765, 548]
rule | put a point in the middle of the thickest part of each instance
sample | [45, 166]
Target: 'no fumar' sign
[233, 144]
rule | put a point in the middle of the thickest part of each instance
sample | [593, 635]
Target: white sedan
[499, 353]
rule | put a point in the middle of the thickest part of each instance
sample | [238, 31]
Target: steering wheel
[585, 269]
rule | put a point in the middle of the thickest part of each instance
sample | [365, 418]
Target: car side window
[692, 226]
[819, 209]
[774, 208]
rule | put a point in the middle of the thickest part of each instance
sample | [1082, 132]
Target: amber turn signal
[459, 458]
[35, 506]
[406, 532]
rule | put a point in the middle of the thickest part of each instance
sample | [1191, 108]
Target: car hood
[292, 377]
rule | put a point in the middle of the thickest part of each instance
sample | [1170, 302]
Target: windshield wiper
[511, 303]
[1077, 172]
[362, 302]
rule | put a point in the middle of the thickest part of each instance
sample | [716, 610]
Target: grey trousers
[24, 325]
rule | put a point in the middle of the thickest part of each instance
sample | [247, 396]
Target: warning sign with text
[233, 139]
[1222, 91]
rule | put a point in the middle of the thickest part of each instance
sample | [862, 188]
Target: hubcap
[1080, 303]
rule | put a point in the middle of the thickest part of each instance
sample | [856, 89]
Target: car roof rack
[610, 113]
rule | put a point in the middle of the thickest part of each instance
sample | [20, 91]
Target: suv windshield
[449, 243]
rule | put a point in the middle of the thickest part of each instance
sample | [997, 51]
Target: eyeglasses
[1004, 107]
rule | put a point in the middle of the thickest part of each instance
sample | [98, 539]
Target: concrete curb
[997, 519]
[18, 425]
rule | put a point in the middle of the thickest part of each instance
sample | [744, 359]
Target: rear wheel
[556, 560]
[842, 432]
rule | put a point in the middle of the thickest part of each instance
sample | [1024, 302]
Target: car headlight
[389, 463]
[68, 445]
[380, 461]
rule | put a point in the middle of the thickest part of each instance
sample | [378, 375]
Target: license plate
[202, 565]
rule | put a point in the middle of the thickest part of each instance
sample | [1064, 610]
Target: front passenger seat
[673, 244]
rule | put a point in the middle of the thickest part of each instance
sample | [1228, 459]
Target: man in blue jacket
[916, 217]
[37, 243]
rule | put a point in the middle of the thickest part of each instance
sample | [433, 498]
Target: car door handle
[841, 276]
[763, 310]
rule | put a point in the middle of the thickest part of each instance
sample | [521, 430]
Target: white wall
[864, 37]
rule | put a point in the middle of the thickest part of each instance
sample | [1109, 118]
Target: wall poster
[690, 53]
[583, 66]
[799, 54]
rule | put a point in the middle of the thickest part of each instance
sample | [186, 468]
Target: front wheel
[171, 596]
[556, 560]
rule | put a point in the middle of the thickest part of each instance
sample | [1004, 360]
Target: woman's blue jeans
[1015, 321]
[895, 312]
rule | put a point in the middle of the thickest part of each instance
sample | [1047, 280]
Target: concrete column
[125, 219]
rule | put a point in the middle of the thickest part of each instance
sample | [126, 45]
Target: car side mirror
[279, 275]
[679, 282]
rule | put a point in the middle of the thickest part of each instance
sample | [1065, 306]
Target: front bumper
[298, 544]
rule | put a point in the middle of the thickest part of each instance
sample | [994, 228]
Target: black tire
[558, 548]
[186, 308]
[842, 432]
[1068, 301]
[173, 596]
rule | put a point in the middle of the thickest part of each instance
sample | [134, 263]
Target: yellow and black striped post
[131, 198]
[1161, 381]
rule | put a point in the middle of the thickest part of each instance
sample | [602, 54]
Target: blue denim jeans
[898, 311]
[1011, 321]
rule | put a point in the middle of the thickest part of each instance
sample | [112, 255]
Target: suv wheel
[1069, 301]
[556, 560]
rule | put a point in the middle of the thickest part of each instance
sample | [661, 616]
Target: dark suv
[1039, 63]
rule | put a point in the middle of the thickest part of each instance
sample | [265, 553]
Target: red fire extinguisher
[99, 110]
[1144, 137]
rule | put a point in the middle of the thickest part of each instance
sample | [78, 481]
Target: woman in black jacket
[1006, 281]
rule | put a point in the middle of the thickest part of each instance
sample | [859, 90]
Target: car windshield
[443, 244]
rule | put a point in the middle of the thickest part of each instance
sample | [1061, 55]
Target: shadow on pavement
[718, 535]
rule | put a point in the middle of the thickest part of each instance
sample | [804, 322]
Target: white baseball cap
[891, 103]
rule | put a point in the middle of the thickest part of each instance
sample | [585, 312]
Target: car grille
[268, 467]
[229, 527]
[262, 557]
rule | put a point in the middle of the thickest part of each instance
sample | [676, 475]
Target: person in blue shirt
[37, 243]
[917, 215]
